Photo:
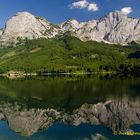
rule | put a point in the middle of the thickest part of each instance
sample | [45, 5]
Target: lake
[92, 107]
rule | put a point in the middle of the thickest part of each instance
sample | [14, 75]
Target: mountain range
[32, 45]
[114, 28]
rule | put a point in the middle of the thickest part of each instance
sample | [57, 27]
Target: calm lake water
[70, 108]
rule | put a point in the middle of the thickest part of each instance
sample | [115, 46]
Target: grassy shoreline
[22, 74]
[76, 74]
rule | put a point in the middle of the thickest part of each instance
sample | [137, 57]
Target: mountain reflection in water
[31, 105]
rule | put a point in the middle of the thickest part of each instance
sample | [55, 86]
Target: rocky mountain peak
[71, 25]
[114, 28]
[116, 14]
[24, 13]
[114, 18]
[121, 28]
[72, 21]
[25, 25]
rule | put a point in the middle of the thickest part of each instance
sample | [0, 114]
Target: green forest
[67, 54]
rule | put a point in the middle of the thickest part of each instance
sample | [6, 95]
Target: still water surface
[69, 108]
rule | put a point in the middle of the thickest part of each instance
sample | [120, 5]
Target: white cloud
[126, 10]
[93, 7]
[80, 4]
[84, 4]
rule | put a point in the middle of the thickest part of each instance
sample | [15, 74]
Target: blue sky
[58, 11]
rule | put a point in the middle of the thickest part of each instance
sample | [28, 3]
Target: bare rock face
[25, 25]
[115, 28]
[71, 25]
[80, 30]
[123, 29]
[1, 31]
